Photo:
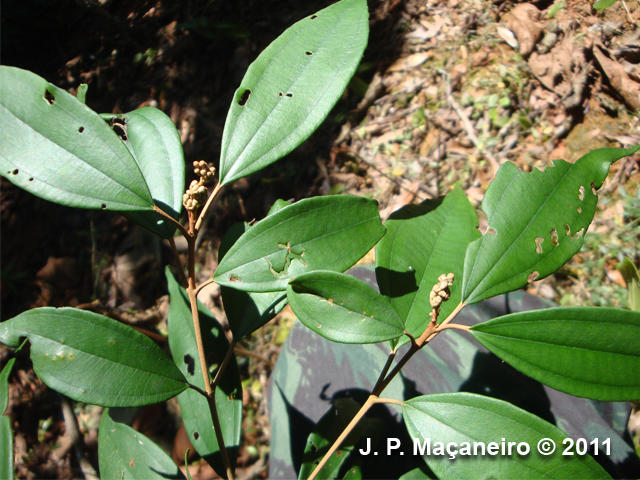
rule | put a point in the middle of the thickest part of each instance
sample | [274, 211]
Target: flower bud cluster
[204, 170]
[440, 293]
[195, 196]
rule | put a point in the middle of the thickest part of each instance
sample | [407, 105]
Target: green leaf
[354, 473]
[125, 454]
[327, 431]
[423, 242]
[328, 233]
[536, 222]
[343, 308]
[291, 87]
[630, 274]
[602, 4]
[154, 142]
[81, 93]
[4, 385]
[583, 351]
[196, 413]
[248, 311]
[55, 147]
[6, 448]
[465, 418]
[94, 359]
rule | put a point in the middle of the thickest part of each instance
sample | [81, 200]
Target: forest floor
[447, 91]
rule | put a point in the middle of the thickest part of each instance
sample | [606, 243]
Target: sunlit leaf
[54, 146]
[125, 454]
[248, 311]
[328, 233]
[464, 419]
[198, 421]
[154, 142]
[423, 242]
[291, 87]
[536, 222]
[94, 359]
[343, 308]
[585, 351]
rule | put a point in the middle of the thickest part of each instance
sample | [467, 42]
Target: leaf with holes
[125, 454]
[423, 242]
[94, 359]
[587, 352]
[247, 311]
[291, 87]
[536, 222]
[327, 430]
[196, 413]
[153, 140]
[464, 419]
[328, 233]
[55, 147]
[343, 308]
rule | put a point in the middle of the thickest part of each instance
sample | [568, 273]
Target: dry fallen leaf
[407, 63]
[523, 22]
[620, 81]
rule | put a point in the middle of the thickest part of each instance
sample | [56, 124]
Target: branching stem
[176, 256]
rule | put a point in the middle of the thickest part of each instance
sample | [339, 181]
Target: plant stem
[455, 326]
[205, 209]
[218, 430]
[392, 401]
[204, 284]
[223, 365]
[367, 405]
[172, 220]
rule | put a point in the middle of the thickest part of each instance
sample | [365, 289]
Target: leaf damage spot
[579, 210]
[245, 96]
[532, 276]
[491, 231]
[539, 241]
[121, 131]
[16, 171]
[289, 95]
[196, 435]
[290, 256]
[104, 206]
[233, 278]
[281, 94]
[593, 189]
[308, 53]
[581, 194]
[554, 237]
[81, 129]
[49, 97]
[191, 364]
[313, 17]
[330, 300]
[132, 463]
[319, 325]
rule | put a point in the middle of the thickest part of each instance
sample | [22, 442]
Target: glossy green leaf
[584, 351]
[54, 146]
[630, 274]
[125, 454]
[328, 233]
[354, 473]
[247, 311]
[291, 87]
[154, 142]
[327, 430]
[94, 359]
[196, 413]
[6, 448]
[465, 418]
[343, 308]
[536, 222]
[423, 242]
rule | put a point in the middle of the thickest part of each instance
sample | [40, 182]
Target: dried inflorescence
[440, 293]
[204, 171]
[196, 194]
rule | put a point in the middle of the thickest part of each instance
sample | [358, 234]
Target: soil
[447, 91]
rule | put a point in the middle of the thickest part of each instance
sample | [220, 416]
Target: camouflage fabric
[312, 372]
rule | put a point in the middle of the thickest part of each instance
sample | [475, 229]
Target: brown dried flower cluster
[440, 293]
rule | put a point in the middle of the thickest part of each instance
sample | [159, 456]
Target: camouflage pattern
[311, 372]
